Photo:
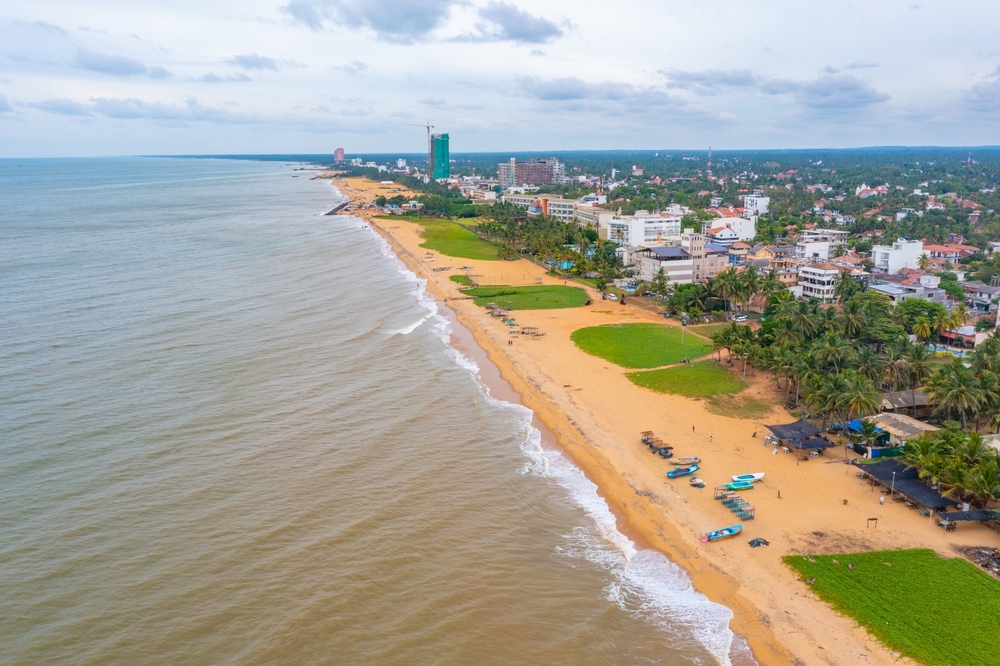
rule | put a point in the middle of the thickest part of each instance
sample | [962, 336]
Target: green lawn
[639, 345]
[541, 297]
[454, 240]
[707, 329]
[698, 380]
[937, 611]
[461, 279]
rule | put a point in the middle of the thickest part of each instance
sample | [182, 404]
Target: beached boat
[724, 533]
[685, 461]
[740, 485]
[682, 471]
[752, 478]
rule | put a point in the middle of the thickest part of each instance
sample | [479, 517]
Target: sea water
[235, 430]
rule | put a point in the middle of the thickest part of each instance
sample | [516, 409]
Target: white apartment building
[757, 203]
[812, 250]
[744, 228]
[834, 236]
[594, 216]
[901, 254]
[641, 228]
[817, 281]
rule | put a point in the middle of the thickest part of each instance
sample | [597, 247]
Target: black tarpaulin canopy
[907, 483]
[975, 516]
[801, 429]
[812, 443]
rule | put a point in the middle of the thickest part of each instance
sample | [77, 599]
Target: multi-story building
[901, 254]
[689, 260]
[833, 236]
[440, 157]
[594, 216]
[545, 204]
[812, 250]
[338, 155]
[757, 203]
[817, 281]
[536, 171]
[641, 228]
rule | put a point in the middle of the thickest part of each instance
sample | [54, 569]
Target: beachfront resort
[833, 447]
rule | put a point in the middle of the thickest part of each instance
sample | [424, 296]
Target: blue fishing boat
[740, 485]
[724, 533]
[682, 471]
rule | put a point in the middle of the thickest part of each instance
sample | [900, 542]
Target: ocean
[235, 430]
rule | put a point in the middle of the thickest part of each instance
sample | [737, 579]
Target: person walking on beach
[692, 428]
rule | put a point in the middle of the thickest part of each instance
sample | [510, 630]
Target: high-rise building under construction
[439, 165]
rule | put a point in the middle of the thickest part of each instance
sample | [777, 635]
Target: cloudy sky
[110, 77]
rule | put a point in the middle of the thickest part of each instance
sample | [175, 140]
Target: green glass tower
[440, 158]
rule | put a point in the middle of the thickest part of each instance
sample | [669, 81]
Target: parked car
[612, 297]
[741, 318]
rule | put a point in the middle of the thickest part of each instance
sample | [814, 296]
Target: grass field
[639, 345]
[454, 240]
[937, 611]
[541, 297]
[739, 406]
[707, 329]
[698, 380]
[461, 279]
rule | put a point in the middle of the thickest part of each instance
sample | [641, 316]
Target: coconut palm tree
[851, 319]
[919, 361]
[924, 262]
[869, 364]
[954, 388]
[771, 285]
[725, 285]
[834, 350]
[922, 328]
[859, 397]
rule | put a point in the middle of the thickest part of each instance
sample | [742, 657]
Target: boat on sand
[682, 471]
[724, 533]
[752, 478]
[684, 461]
[740, 485]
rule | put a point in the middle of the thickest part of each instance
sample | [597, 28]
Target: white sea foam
[644, 581]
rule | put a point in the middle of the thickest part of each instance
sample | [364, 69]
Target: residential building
[708, 258]
[812, 250]
[674, 260]
[338, 155]
[833, 236]
[817, 281]
[950, 252]
[536, 171]
[594, 216]
[901, 254]
[643, 227]
[401, 163]
[981, 297]
[757, 203]
[723, 235]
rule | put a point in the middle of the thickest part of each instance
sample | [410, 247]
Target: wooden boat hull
[684, 461]
[682, 471]
[752, 478]
[724, 533]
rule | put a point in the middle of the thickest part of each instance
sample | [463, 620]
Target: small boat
[685, 461]
[724, 533]
[740, 485]
[697, 483]
[752, 478]
[682, 471]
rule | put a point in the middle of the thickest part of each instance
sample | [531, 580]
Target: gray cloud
[115, 65]
[390, 20]
[503, 22]
[42, 25]
[4, 106]
[432, 101]
[830, 92]
[985, 97]
[212, 77]
[61, 106]
[253, 61]
[353, 68]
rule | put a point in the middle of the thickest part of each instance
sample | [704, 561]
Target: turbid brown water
[237, 431]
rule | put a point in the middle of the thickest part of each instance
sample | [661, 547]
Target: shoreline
[779, 617]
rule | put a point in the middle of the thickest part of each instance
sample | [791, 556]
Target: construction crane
[430, 146]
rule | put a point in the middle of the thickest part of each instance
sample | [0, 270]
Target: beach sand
[596, 413]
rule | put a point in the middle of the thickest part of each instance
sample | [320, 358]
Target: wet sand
[596, 414]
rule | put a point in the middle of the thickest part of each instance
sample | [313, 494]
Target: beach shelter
[812, 443]
[904, 480]
[801, 429]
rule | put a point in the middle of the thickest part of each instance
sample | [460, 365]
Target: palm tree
[924, 262]
[868, 432]
[851, 319]
[869, 364]
[771, 285]
[922, 328]
[918, 359]
[833, 350]
[955, 389]
[859, 396]
[725, 285]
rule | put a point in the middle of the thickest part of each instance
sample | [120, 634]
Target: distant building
[757, 203]
[536, 171]
[637, 170]
[901, 254]
[643, 227]
[356, 161]
[400, 163]
[817, 281]
[338, 155]
[440, 157]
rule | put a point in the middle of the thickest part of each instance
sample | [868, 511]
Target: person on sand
[881, 500]
[692, 428]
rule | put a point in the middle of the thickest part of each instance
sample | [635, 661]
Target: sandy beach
[596, 413]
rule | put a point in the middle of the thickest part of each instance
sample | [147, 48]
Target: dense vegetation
[960, 463]
[934, 610]
[640, 345]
